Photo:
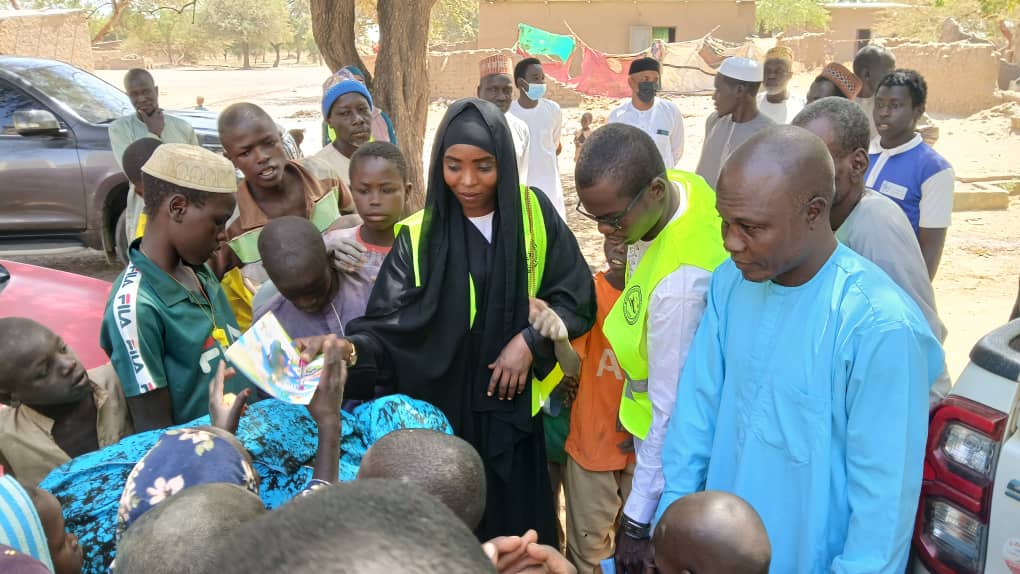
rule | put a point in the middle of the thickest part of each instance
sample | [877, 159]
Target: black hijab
[424, 331]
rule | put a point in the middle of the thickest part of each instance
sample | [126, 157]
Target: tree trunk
[333, 26]
[118, 9]
[276, 47]
[402, 81]
[297, 56]
[247, 60]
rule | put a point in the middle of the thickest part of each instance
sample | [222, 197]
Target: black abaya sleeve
[567, 287]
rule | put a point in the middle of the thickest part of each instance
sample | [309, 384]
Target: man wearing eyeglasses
[669, 222]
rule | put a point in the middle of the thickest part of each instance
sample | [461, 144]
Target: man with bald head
[803, 349]
[711, 532]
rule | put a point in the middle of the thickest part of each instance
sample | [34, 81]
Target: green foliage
[923, 22]
[168, 30]
[776, 16]
[453, 21]
[247, 24]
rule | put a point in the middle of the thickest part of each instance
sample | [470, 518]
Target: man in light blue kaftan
[806, 388]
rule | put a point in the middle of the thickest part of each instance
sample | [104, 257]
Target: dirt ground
[977, 282]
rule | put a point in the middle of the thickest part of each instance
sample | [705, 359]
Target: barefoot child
[582, 134]
[168, 321]
[58, 410]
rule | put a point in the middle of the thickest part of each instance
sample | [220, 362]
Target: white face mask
[536, 91]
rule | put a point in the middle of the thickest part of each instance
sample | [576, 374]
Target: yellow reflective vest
[535, 243]
[694, 238]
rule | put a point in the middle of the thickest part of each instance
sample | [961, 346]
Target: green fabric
[536, 42]
[158, 336]
[556, 429]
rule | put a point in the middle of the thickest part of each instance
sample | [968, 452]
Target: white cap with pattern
[192, 167]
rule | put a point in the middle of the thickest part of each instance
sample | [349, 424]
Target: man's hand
[544, 320]
[347, 253]
[634, 556]
[154, 123]
[568, 386]
[224, 413]
[511, 370]
[325, 404]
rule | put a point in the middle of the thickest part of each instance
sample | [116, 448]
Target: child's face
[64, 548]
[199, 230]
[311, 292]
[46, 372]
[379, 192]
[255, 147]
[616, 255]
[586, 120]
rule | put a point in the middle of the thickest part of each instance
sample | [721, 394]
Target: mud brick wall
[940, 64]
[57, 34]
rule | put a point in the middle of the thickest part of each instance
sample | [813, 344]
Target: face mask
[646, 91]
[536, 91]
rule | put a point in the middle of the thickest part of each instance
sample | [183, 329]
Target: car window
[92, 99]
[13, 100]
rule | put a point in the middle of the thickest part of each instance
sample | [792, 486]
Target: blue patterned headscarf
[20, 528]
[181, 459]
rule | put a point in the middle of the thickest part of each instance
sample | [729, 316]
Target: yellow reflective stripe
[535, 242]
[413, 225]
[542, 388]
[471, 298]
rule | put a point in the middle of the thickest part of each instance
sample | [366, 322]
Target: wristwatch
[634, 529]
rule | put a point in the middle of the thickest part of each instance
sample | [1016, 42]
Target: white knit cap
[192, 167]
[743, 69]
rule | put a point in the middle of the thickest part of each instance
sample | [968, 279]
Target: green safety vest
[694, 238]
[535, 243]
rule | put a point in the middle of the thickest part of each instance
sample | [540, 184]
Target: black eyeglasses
[614, 220]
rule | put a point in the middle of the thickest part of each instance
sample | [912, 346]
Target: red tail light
[959, 464]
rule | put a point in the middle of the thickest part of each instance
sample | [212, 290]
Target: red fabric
[601, 74]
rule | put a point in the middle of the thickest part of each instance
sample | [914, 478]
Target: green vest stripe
[695, 238]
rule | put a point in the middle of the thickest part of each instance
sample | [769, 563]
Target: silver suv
[60, 186]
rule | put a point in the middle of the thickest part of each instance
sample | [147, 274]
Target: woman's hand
[225, 414]
[511, 370]
[311, 347]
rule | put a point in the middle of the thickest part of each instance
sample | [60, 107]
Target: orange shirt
[594, 430]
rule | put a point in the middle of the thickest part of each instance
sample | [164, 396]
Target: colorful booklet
[267, 356]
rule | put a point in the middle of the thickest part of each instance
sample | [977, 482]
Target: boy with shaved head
[711, 533]
[273, 187]
[443, 465]
[56, 409]
[792, 366]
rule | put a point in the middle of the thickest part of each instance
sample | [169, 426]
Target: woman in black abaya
[422, 341]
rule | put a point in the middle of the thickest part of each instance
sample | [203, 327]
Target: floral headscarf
[181, 459]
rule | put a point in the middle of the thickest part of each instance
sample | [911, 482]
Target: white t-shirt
[663, 122]
[783, 112]
[337, 161]
[522, 144]
[484, 225]
[544, 122]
